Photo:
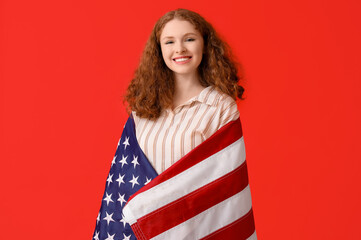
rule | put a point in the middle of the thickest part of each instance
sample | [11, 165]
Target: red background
[65, 66]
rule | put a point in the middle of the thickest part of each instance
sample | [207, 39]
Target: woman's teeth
[181, 59]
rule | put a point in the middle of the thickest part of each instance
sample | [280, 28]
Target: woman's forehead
[177, 27]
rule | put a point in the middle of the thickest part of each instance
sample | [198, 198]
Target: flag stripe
[253, 236]
[242, 228]
[225, 136]
[188, 181]
[212, 219]
[138, 232]
[194, 203]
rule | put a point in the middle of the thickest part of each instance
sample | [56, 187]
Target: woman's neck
[186, 87]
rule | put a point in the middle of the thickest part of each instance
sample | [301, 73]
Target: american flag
[204, 195]
[130, 170]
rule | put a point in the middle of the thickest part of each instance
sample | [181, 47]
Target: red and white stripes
[205, 195]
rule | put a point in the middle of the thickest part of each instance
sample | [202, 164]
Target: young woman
[188, 176]
[184, 89]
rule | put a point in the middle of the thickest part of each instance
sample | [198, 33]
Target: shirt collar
[207, 96]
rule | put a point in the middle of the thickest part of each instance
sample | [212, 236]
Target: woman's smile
[182, 60]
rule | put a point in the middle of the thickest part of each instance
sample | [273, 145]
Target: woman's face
[182, 47]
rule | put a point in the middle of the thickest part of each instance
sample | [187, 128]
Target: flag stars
[123, 221]
[135, 161]
[109, 218]
[147, 180]
[109, 180]
[98, 218]
[134, 181]
[113, 161]
[123, 160]
[110, 237]
[120, 179]
[121, 199]
[126, 143]
[126, 237]
[126, 174]
[96, 236]
[108, 198]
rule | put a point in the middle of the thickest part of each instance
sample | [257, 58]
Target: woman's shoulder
[135, 118]
[221, 99]
[227, 108]
[143, 121]
[222, 110]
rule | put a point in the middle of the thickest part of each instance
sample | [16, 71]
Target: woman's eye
[168, 42]
[190, 39]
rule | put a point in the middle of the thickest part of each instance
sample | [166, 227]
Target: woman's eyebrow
[191, 33]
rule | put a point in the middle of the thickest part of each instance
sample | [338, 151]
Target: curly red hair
[152, 88]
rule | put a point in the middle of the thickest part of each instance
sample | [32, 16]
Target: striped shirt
[176, 132]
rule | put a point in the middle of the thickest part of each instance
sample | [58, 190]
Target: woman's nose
[180, 48]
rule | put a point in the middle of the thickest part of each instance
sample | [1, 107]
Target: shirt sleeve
[228, 111]
[225, 112]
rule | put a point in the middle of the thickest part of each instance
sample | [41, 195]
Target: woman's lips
[182, 60]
